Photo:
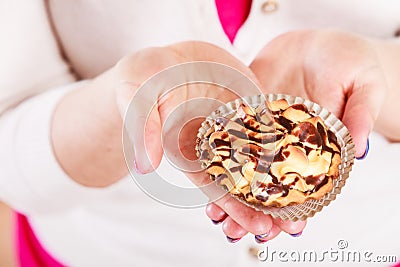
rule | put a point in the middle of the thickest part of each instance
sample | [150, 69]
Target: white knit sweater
[120, 225]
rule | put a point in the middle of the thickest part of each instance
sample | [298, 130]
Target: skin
[82, 132]
[340, 71]
[353, 77]
[7, 253]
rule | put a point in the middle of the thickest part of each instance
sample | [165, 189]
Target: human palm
[339, 71]
[160, 131]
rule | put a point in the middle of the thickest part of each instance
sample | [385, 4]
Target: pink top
[232, 14]
[29, 250]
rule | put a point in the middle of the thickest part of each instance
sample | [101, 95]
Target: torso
[96, 34]
[123, 226]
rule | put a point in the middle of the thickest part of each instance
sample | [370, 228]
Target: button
[253, 251]
[397, 33]
[269, 6]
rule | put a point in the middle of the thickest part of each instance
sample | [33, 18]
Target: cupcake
[278, 156]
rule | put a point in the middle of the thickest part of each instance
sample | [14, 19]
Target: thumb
[144, 130]
[364, 102]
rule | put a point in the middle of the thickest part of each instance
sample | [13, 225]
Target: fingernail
[366, 152]
[261, 239]
[137, 170]
[232, 240]
[296, 235]
[142, 163]
[216, 222]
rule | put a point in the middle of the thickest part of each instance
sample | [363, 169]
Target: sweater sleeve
[34, 77]
[31, 180]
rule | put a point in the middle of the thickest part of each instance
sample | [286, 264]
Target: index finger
[253, 221]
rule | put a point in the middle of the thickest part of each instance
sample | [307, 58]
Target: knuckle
[142, 64]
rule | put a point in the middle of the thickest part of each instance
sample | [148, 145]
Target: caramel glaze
[305, 131]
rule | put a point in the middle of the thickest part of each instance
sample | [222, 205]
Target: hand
[87, 122]
[340, 71]
[238, 218]
[337, 70]
[83, 129]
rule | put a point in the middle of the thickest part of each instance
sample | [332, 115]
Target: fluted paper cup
[311, 206]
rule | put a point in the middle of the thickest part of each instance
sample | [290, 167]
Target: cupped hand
[339, 71]
[132, 71]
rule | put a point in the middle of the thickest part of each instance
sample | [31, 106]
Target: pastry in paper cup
[280, 154]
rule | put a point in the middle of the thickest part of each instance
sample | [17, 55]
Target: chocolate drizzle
[306, 148]
[327, 137]
[279, 156]
[307, 133]
[320, 184]
[314, 180]
[217, 143]
[301, 107]
[333, 139]
[285, 123]
[275, 188]
[300, 139]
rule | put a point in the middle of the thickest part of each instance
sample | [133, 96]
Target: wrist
[388, 53]
[86, 134]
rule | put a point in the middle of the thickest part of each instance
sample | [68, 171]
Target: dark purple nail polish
[135, 165]
[296, 235]
[232, 240]
[260, 240]
[366, 152]
[216, 222]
